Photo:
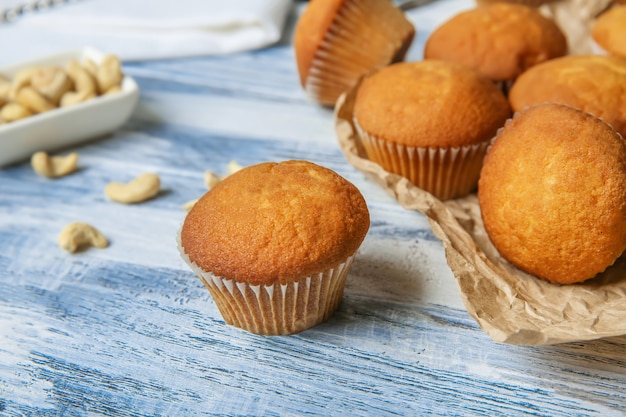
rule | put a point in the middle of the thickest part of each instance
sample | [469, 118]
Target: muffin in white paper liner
[276, 309]
[446, 173]
[273, 243]
[364, 35]
[510, 305]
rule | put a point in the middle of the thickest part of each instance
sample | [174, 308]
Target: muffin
[338, 41]
[500, 40]
[594, 84]
[530, 3]
[552, 193]
[609, 31]
[273, 244]
[431, 122]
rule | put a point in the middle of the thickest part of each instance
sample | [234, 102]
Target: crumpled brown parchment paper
[576, 18]
[508, 304]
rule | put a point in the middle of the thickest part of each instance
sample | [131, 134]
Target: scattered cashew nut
[78, 235]
[232, 167]
[189, 204]
[142, 188]
[54, 166]
[211, 178]
[13, 111]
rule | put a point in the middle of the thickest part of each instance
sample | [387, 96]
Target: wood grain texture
[129, 331]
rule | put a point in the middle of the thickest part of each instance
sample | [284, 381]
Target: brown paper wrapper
[511, 306]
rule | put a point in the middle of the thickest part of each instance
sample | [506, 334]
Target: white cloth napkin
[145, 29]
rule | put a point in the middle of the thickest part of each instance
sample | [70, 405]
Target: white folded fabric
[145, 29]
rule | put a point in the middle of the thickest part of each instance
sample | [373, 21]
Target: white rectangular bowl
[65, 126]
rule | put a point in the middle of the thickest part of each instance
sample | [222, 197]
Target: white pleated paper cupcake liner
[339, 61]
[276, 309]
[444, 172]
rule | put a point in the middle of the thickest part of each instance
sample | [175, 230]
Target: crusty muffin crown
[275, 222]
[552, 193]
[430, 104]
[609, 31]
[592, 83]
[500, 40]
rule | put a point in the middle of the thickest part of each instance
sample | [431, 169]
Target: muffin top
[609, 31]
[592, 83]
[552, 193]
[275, 222]
[500, 40]
[430, 104]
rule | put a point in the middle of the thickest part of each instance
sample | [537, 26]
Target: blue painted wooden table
[129, 330]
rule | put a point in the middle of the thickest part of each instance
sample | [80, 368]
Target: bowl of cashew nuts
[61, 100]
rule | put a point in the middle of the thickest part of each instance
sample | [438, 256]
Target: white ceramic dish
[66, 126]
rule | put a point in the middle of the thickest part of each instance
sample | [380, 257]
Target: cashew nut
[33, 100]
[211, 179]
[52, 82]
[5, 89]
[78, 235]
[232, 167]
[83, 80]
[40, 89]
[13, 111]
[142, 188]
[74, 97]
[55, 166]
[113, 90]
[22, 79]
[189, 204]
[90, 66]
[109, 73]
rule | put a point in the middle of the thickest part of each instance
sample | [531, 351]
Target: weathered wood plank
[129, 330]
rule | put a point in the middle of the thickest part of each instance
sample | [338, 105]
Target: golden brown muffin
[337, 41]
[529, 3]
[552, 193]
[609, 31]
[273, 244]
[500, 40]
[594, 84]
[431, 122]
